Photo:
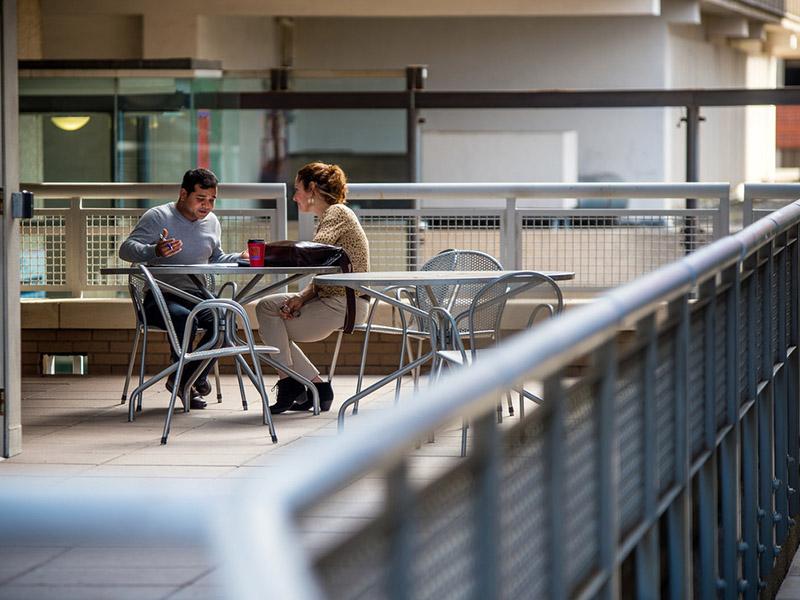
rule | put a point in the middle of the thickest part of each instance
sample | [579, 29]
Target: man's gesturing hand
[167, 246]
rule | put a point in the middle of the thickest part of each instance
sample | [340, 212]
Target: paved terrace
[75, 430]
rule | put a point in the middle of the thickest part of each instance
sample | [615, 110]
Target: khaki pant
[318, 319]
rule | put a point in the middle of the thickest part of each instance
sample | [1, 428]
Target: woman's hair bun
[329, 179]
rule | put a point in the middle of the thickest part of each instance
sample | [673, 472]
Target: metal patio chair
[136, 285]
[454, 297]
[536, 293]
[217, 347]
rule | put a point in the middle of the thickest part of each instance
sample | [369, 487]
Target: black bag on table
[288, 253]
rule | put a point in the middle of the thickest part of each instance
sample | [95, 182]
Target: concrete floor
[75, 432]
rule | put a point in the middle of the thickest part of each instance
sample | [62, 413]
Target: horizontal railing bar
[619, 212]
[405, 191]
[155, 191]
[430, 99]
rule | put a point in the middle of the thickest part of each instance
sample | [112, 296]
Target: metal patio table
[250, 292]
[372, 283]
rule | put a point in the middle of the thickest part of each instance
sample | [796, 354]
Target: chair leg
[216, 378]
[241, 385]
[464, 428]
[335, 358]
[130, 364]
[510, 404]
[259, 381]
[171, 407]
[143, 360]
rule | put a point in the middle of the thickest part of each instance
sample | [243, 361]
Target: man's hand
[291, 308]
[167, 246]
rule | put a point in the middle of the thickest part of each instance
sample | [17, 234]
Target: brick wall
[109, 350]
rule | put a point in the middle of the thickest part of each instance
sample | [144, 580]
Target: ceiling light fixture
[69, 123]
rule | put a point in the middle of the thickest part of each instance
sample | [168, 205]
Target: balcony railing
[63, 249]
[672, 460]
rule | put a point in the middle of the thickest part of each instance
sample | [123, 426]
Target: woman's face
[302, 196]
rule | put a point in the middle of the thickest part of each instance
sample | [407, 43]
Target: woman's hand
[291, 308]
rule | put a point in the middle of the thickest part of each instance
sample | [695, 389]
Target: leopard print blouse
[339, 226]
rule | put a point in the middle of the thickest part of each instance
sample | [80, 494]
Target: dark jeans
[179, 310]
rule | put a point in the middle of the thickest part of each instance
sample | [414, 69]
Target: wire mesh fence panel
[45, 261]
[665, 410]
[445, 563]
[697, 384]
[773, 305]
[105, 232]
[744, 340]
[759, 325]
[43, 251]
[358, 567]
[606, 251]
[240, 226]
[523, 514]
[402, 240]
[581, 488]
[630, 430]
[721, 359]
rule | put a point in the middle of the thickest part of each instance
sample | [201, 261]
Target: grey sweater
[201, 242]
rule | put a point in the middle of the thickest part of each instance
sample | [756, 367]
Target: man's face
[198, 204]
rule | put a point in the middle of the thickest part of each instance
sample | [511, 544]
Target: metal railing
[63, 249]
[679, 449]
[771, 197]
[695, 423]
[605, 247]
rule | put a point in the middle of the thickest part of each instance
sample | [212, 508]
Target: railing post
[706, 523]
[679, 513]
[486, 458]
[605, 359]
[765, 407]
[281, 226]
[512, 251]
[724, 212]
[555, 447]
[399, 500]
[793, 373]
[729, 448]
[76, 235]
[749, 427]
[778, 266]
[647, 558]
[747, 207]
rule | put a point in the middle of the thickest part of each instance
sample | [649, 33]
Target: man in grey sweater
[184, 232]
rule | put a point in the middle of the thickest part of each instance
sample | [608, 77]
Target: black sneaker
[289, 390]
[195, 402]
[325, 398]
[202, 386]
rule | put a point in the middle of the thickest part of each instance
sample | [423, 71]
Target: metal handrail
[261, 517]
[766, 191]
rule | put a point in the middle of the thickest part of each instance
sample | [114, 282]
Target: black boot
[325, 398]
[289, 390]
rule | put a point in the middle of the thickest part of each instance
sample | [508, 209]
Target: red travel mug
[255, 248]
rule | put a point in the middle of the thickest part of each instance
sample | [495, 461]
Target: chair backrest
[136, 287]
[537, 292]
[149, 285]
[456, 298]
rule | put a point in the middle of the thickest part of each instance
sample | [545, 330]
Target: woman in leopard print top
[317, 311]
